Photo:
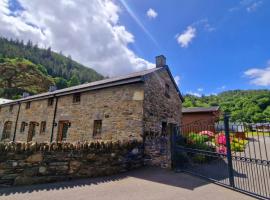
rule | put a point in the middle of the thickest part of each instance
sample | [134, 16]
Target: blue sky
[210, 45]
[215, 59]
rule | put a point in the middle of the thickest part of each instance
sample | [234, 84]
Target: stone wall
[39, 111]
[23, 164]
[158, 109]
[120, 108]
[8, 115]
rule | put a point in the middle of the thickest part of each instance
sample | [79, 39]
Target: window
[164, 129]
[76, 98]
[50, 101]
[27, 105]
[97, 129]
[7, 130]
[42, 127]
[167, 90]
[23, 125]
[10, 108]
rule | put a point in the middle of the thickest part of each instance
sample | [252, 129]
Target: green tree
[73, 81]
[60, 82]
[17, 75]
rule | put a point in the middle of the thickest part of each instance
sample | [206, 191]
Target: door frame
[59, 137]
[30, 134]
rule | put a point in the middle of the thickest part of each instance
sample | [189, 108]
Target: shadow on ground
[157, 175]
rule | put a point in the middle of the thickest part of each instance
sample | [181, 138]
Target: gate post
[229, 152]
[172, 147]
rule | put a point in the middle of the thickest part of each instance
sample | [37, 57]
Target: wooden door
[62, 130]
[31, 131]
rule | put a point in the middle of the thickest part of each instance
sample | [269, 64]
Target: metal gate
[234, 155]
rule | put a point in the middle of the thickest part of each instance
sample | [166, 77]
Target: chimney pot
[160, 61]
[25, 94]
[52, 88]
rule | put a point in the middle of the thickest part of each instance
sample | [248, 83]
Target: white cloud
[177, 79]
[259, 77]
[194, 94]
[204, 24]
[88, 31]
[186, 37]
[151, 13]
[200, 89]
[223, 87]
[248, 5]
[253, 7]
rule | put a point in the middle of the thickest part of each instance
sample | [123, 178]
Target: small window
[97, 129]
[167, 90]
[27, 105]
[42, 127]
[50, 101]
[23, 125]
[164, 128]
[10, 108]
[76, 98]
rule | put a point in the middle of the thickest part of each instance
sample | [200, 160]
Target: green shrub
[196, 138]
[199, 158]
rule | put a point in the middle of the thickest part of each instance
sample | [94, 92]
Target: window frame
[28, 105]
[50, 101]
[164, 126]
[76, 98]
[43, 125]
[97, 129]
[22, 128]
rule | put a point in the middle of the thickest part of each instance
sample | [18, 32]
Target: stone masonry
[144, 106]
[25, 164]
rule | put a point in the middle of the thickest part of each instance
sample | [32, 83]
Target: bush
[196, 138]
[199, 158]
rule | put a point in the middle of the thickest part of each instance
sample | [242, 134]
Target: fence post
[173, 137]
[229, 152]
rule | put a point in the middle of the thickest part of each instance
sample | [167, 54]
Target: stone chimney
[52, 88]
[160, 61]
[25, 94]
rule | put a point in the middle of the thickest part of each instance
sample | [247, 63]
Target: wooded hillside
[61, 70]
[243, 105]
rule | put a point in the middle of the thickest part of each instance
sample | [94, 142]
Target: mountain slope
[20, 75]
[56, 64]
[243, 105]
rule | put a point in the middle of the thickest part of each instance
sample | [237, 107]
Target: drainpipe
[14, 135]
[54, 115]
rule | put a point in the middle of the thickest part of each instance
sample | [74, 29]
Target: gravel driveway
[142, 184]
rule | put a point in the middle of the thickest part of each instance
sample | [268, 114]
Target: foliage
[198, 141]
[21, 75]
[64, 70]
[243, 105]
[238, 145]
[73, 81]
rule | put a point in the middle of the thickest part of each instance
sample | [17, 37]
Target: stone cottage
[135, 106]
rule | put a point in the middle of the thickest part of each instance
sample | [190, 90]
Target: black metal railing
[235, 155]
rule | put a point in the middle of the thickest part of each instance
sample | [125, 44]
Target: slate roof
[2, 101]
[200, 109]
[110, 82]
